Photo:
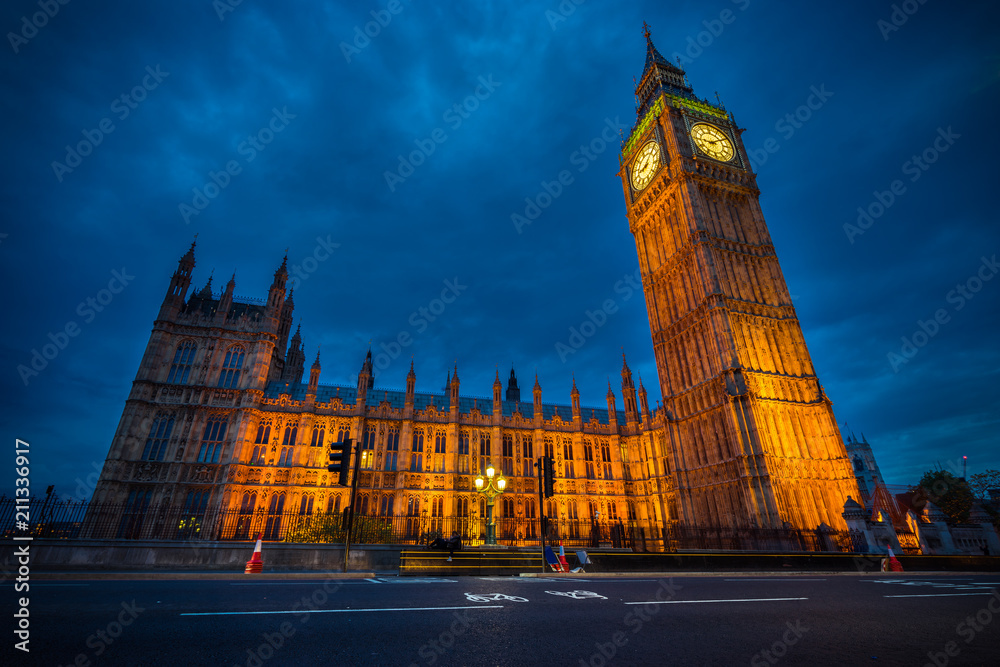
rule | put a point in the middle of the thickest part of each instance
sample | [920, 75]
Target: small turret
[574, 396]
[628, 393]
[180, 282]
[295, 360]
[365, 379]
[313, 375]
[513, 392]
[411, 385]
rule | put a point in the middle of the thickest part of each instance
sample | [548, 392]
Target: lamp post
[491, 487]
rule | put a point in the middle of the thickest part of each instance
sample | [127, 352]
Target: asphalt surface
[683, 620]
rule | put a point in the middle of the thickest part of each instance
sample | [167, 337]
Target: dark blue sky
[332, 114]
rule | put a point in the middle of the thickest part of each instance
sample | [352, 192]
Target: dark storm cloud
[534, 88]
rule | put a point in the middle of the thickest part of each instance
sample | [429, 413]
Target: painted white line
[700, 601]
[785, 579]
[938, 595]
[374, 581]
[335, 611]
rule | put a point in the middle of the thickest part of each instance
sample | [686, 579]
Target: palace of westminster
[220, 419]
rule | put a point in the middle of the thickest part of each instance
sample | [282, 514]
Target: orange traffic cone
[255, 565]
[562, 558]
[894, 565]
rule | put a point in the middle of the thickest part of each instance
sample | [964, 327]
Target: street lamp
[491, 487]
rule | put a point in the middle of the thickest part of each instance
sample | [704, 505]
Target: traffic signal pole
[350, 507]
[541, 506]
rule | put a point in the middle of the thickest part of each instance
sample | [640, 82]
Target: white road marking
[938, 595]
[785, 579]
[335, 611]
[701, 601]
[577, 595]
[375, 581]
[493, 597]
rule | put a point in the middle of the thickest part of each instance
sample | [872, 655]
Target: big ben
[751, 437]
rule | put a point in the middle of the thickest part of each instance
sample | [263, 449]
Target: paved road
[750, 620]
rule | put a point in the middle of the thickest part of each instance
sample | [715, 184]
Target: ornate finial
[645, 30]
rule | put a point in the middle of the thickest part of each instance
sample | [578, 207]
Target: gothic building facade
[219, 417]
[220, 420]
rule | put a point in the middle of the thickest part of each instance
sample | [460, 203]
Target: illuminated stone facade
[751, 437]
[219, 419]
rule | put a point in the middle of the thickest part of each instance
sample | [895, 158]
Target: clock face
[712, 141]
[645, 165]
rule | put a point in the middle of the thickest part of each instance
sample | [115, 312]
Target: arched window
[291, 433]
[363, 505]
[249, 503]
[417, 452]
[285, 458]
[306, 506]
[343, 433]
[259, 455]
[159, 437]
[183, 360]
[588, 457]
[391, 449]
[193, 513]
[508, 507]
[263, 433]
[386, 509]
[272, 530]
[245, 517]
[213, 439]
[318, 437]
[229, 378]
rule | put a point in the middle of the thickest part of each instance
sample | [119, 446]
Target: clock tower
[751, 440]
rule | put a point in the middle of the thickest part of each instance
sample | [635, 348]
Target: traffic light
[548, 476]
[340, 460]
